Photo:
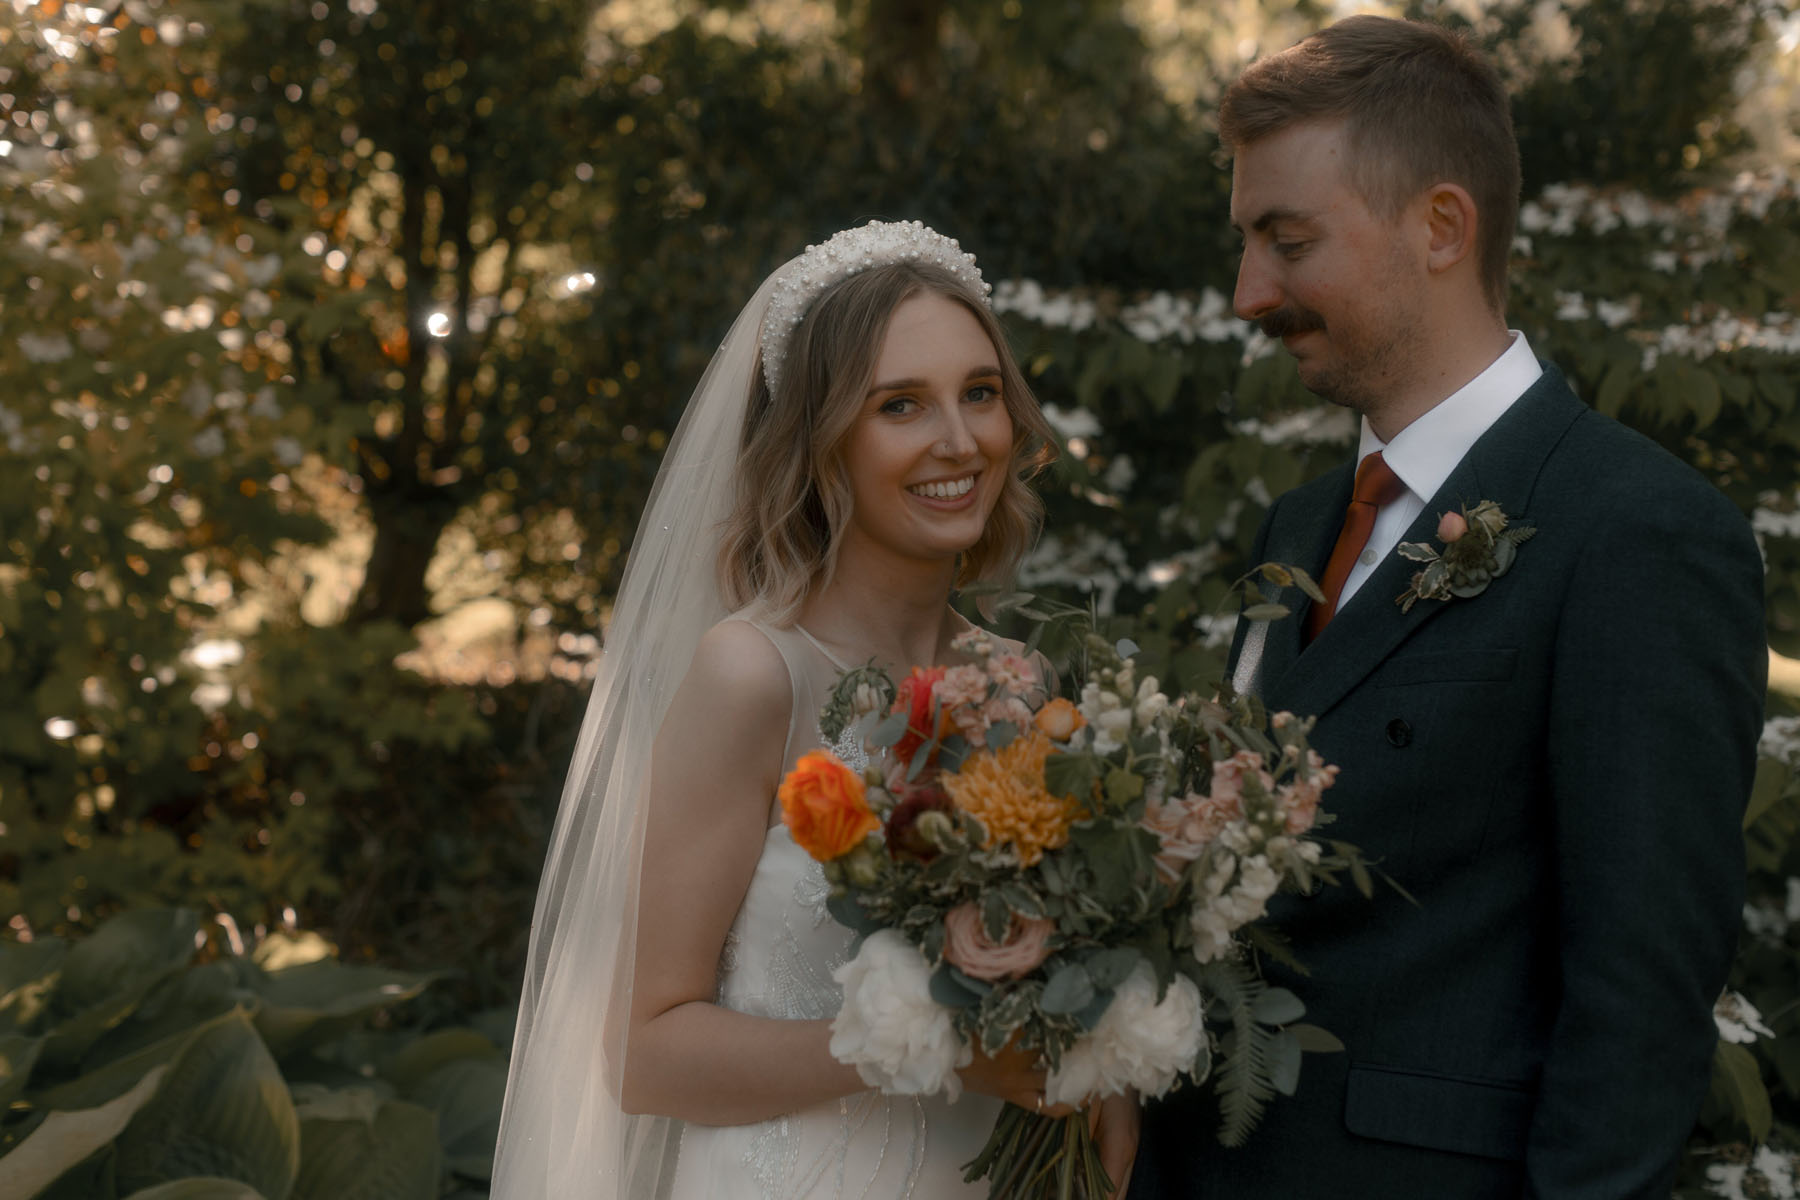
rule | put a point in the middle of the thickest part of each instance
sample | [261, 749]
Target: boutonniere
[1478, 549]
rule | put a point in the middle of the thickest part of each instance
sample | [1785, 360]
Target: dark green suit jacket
[1556, 770]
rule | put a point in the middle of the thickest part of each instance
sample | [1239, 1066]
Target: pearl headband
[849, 253]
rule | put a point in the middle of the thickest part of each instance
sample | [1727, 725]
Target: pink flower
[961, 685]
[1187, 826]
[1299, 800]
[1016, 675]
[966, 945]
[1451, 526]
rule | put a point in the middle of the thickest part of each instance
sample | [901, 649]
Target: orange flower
[1059, 720]
[1005, 792]
[823, 806]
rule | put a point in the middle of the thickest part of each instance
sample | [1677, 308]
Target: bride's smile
[926, 459]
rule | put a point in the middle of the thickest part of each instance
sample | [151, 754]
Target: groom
[1554, 761]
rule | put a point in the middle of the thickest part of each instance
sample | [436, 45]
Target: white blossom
[1772, 1170]
[890, 1029]
[1738, 1020]
[1138, 1043]
[45, 347]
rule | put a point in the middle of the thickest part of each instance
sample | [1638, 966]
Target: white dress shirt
[1425, 452]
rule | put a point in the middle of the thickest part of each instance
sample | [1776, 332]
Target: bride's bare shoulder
[737, 663]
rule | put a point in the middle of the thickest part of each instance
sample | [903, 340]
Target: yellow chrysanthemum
[1005, 792]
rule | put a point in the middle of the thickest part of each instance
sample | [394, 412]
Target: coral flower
[1059, 720]
[824, 807]
[914, 699]
[1004, 790]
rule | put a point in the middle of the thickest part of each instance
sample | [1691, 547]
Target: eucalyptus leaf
[1125, 647]
[1314, 1040]
[948, 991]
[888, 730]
[1277, 1006]
[1001, 734]
[1068, 991]
[1284, 1062]
[1110, 968]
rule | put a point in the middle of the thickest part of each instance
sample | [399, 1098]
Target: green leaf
[1109, 968]
[28, 977]
[996, 916]
[1307, 584]
[1125, 647]
[1122, 786]
[319, 998]
[222, 1109]
[1068, 991]
[395, 1157]
[1284, 1062]
[847, 911]
[466, 1096]
[948, 990]
[1000, 735]
[1277, 1006]
[65, 1138]
[1735, 1067]
[1265, 612]
[18, 1054]
[407, 1068]
[1071, 775]
[1314, 1040]
[131, 949]
[1771, 781]
[199, 1188]
[887, 731]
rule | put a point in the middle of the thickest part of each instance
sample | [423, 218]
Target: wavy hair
[793, 494]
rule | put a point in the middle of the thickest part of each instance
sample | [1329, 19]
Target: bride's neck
[898, 614]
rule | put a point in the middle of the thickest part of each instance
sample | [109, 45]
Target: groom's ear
[1451, 221]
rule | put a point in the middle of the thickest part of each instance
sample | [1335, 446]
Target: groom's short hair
[1421, 106]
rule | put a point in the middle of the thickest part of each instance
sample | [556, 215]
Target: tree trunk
[407, 528]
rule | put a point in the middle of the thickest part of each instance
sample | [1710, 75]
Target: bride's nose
[955, 439]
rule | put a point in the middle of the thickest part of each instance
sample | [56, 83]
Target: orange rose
[1058, 720]
[823, 806]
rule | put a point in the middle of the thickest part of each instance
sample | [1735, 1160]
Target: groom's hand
[1116, 1122]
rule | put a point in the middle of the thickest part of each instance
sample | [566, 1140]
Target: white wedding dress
[778, 962]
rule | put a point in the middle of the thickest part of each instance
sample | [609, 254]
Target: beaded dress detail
[778, 961]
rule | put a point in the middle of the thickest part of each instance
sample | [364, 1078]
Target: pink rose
[1451, 526]
[966, 945]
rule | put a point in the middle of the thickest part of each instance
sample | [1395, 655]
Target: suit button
[1399, 733]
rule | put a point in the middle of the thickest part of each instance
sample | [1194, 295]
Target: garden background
[339, 341]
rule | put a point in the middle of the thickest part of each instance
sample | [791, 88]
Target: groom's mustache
[1284, 321]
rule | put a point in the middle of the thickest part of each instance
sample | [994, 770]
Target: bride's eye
[982, 392]
[898, 406]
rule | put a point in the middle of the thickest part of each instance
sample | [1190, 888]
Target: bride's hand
[1014, 1076]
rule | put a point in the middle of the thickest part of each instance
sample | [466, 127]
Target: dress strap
[820, 647]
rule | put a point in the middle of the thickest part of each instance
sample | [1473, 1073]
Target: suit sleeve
[1656, 707]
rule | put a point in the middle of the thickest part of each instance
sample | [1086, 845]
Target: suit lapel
[1503, 467]
[1303, 539]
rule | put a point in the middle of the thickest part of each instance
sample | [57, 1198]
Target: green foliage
[175, 1072]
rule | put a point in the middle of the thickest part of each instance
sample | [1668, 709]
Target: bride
[859, 445]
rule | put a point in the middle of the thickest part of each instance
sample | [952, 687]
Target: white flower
[1738, 1020]
[1138, 1043]
[1150, 703]
[890, 1029]
[1217, 914]
[45, 347]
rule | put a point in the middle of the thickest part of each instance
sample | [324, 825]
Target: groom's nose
[1256, 295]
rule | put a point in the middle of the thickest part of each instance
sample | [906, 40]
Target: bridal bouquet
[1080, 878]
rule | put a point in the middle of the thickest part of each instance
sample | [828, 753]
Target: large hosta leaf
[466, 1095]
[189, 998]
[64, 1139]
[129, 948]
[393, 1157]
[318, 999]
[223, 1110]
[199, 1189]
[108, 974]
[28, 975]
[17, 1055]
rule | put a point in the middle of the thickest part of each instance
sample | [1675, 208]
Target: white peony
[890, 1029]
[1138, 1043]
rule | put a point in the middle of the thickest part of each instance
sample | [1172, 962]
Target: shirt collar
[1426, 451]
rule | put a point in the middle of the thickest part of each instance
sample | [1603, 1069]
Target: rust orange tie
[1376, 485]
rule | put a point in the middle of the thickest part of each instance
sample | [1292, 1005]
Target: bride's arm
[714, 771]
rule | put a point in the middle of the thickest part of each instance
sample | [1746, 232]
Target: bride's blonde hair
[793, 493]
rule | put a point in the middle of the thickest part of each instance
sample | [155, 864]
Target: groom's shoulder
[1607, 467]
